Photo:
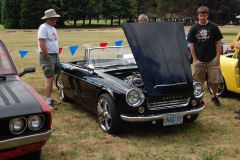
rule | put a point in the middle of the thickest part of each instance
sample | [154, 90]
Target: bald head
[142, 18]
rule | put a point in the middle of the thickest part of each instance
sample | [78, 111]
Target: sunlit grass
[76, 134]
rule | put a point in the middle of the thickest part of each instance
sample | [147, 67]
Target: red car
[25, 118]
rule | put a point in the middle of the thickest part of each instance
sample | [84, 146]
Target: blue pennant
[73, 49]
[23, 53]
[119, 43]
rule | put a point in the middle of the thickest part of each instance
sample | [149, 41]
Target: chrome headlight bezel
[16, 121]
[134, 103]
[197, 89]
[40, 119]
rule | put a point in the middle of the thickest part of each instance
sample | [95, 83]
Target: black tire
[60, 88]
[31, 156]
[108, 115]
[222, 88]
[191, 119]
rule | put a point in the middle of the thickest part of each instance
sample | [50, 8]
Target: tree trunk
[119, 20]
[74, 22]
[83, 21]
[111, 21]
[90, 20]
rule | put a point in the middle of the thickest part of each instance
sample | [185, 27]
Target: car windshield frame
[122, 60]
[7, 66]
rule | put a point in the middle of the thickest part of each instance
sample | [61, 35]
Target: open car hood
[160, 52]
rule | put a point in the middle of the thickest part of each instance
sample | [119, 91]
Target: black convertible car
[149, 81]
[25, 118]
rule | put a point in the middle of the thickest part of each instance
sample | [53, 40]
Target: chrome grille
[168, 104]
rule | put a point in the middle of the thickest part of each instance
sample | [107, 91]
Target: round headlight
[198, 89]
[17, 125]
[35, 122]
[135, 98]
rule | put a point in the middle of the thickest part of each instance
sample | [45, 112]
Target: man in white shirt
[48, 47]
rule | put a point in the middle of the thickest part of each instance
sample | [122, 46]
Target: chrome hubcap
[221, 88]
[104, 116]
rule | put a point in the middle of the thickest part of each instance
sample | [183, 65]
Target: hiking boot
[215, 100]
[54, 104]
[237, 111]
[237, 116]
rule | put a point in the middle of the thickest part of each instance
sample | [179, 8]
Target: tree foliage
[28, 13]
[31, 12]
[10, 12]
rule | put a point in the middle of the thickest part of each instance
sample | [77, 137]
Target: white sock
[49, 100]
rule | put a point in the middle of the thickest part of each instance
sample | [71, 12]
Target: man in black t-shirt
[205, 46]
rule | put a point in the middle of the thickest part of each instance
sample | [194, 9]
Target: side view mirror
[27, 70]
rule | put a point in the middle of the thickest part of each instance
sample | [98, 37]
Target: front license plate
[172, 119]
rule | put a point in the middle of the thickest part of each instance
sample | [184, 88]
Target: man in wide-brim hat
[49, 48]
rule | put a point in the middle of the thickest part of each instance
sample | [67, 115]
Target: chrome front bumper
[24, 140]
[159, 116]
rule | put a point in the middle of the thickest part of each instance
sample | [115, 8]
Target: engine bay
[132, 77]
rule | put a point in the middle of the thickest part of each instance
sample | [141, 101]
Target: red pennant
[232, 47]
[103, 44]
[60, 50]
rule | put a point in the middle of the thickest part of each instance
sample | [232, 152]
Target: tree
[111, 9]
[221, 11]
[169, 6]
[56, 4]
[147, 7]
[94, 9]
[31, 12]
[73, 10]
[10, 13]
[128, 10]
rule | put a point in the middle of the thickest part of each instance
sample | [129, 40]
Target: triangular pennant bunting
[73, 49]
[60, 50]
[119, 43]
[23, 53]
[103, 44]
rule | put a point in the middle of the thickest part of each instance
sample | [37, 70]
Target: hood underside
[160, 52]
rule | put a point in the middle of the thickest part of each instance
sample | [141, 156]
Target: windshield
[111, 56]
[6, 66]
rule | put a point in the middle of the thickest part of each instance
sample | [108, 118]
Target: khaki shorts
[50, 66]
[211, 69]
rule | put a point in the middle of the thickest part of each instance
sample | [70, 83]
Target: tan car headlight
[134, 97]
[35, 122]
[17, 125]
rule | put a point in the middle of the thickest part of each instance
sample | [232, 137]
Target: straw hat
[50, 13]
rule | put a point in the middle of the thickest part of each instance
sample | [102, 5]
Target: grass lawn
[76, 134]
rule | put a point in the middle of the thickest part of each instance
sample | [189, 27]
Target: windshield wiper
[2, 78]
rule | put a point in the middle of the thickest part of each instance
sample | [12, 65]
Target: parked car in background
[150, 81]
[25, 118]
[230, 71]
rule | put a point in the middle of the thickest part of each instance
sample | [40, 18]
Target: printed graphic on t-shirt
[203, 35]
[54, 36]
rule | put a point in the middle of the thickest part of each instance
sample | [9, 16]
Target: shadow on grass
[147, 129]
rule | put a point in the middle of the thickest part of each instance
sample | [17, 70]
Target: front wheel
[107, 114]
[31, 156]
[221, 88]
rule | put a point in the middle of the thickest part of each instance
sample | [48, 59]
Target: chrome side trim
[159, 116]
[25, 140]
